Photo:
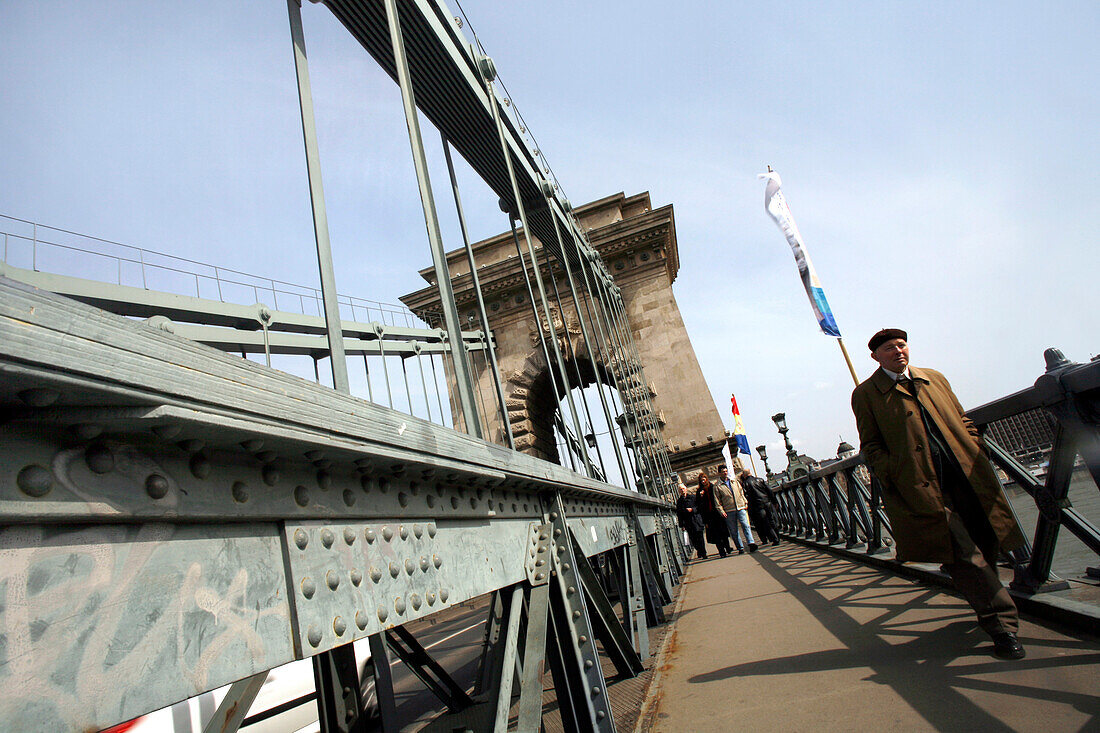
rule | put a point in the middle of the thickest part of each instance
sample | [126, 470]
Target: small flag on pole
[728, 458]
[776, 205]
[739, 429]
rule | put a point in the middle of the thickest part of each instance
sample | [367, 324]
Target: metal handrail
[390, 313]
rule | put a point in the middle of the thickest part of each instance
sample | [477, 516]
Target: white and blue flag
[776, 205]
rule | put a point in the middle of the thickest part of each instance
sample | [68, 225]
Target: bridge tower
[638, 243]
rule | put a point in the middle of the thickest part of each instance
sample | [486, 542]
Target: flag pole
[848, 361]
[754, 473]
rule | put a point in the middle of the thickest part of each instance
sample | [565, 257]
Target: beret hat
[885, 335]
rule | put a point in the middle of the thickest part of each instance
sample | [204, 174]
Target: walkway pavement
[793, 639]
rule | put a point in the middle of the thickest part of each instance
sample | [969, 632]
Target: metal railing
[842, 501]
[137, 266]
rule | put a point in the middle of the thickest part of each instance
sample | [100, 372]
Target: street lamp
[763, 451]
[780, 420]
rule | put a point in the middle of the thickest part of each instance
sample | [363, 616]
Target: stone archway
[639, 245]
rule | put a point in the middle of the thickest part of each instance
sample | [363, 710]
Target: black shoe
[740, 551]
[752, 547]
[1007, 646]
[775, 544]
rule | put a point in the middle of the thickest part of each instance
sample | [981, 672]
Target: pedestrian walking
[942, 496]
[691, 521]
[761, 506]
[735, 509]
[714, 520]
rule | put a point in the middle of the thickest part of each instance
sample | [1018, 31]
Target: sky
[940, 159]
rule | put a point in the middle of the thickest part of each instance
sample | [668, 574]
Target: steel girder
[176, 518]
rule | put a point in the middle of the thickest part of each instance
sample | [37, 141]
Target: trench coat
[893, 442]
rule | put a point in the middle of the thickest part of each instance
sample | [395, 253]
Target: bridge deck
[794, 639]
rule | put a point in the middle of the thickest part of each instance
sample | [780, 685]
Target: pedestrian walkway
[793, 639]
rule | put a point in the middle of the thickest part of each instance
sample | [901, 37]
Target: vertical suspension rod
[463, 381]
[333, 324]
[476, 285]
[542, 338]
[487, 77]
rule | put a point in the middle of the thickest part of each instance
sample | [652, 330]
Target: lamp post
[763, 451]
[780, 420]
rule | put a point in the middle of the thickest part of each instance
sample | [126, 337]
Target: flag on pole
[739, 429]
[728, 458]
[776, 205]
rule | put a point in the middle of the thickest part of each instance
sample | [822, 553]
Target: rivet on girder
[554, 516]
[570, 590]
[418, 531]
[349, 535]
[424, 564]
[314, 455]
[39, 396]
[99, 458]
[431, 598]
[356, 577]
[387, 533]
[600, 715]
[566, 567]
[383, 485]
[369, 535]
[339, 626]
[200, 466]
[582, 639]
[324, 481]
[301, 496]
[192, 445]
[301, 538]
[252, 444]
[87, 431]
[332, 580]
[540, 576]
[403, 499]
[414, 599]
[314, 636]
[410, 566]
[156, 486]
[404, 532]
[309, 588]
[375, 574]
[360, 620]
[588, 664]
[596, 691]
[394, 570]
[557, 533]
[166, 432]
[35, 481]
[239, 491]
[437, 561]
[267, 456]
[363, 464]
[364, 483]
[444, 594]
[270, 475]
[382, 614]
[327, 537]
[431, 530]
[349, 497]
[399, 605]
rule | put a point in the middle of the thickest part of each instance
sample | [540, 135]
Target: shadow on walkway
[812, 638]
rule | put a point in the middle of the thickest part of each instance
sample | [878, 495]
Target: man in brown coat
[944, 501]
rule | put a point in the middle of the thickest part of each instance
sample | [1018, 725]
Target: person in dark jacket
[761, 506]
[690, 520]
[717, 532]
